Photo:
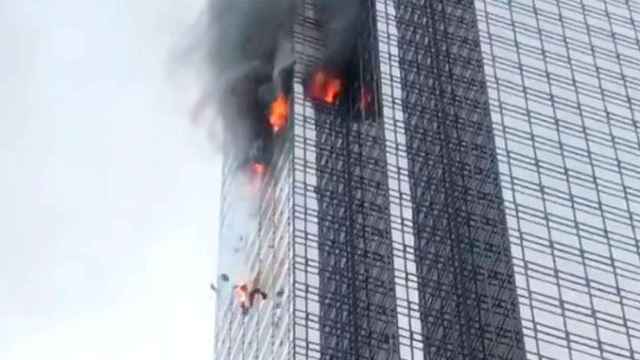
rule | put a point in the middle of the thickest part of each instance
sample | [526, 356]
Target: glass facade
[486, 207]
[564, 85]
[343, 285]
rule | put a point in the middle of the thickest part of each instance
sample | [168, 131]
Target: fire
[279, 113]
[257, 173]
[242, 294]
[326, 87]
[333, 90]
[258, 169]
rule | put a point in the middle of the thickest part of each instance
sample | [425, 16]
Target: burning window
[279, 113]
[326, 87]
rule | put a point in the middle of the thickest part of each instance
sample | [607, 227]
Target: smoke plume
[250, 64]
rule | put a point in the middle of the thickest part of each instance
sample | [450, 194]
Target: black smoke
[251, 62]
[340, 21]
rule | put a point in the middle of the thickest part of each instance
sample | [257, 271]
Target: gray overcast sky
[108, 197]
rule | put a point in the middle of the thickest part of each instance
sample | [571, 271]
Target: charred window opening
[344, 79]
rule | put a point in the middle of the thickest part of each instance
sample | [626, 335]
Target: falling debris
[254, 292]
[245, 296]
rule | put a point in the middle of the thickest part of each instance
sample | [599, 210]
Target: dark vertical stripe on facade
[467, 291]
[358, 316]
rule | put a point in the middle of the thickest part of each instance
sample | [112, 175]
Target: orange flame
[258, 169]
[325, 87]
[241, 293]
[333, 91]
[279, 113]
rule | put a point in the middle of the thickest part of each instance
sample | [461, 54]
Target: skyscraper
[564, 85]
[483, 206]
